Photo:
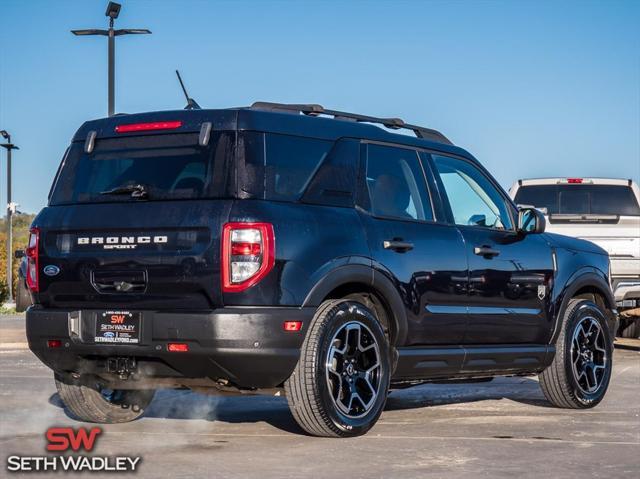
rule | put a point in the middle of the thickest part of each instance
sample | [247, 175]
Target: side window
[279, 167]
[291, 161]
[473, 198]
[395, 184]
[334, 183]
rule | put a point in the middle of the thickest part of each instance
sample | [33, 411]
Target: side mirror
[19, 253]
[542, 209]
[531, 221]
[477, 220]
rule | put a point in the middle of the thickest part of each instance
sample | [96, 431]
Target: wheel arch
[359, 279]
[587, 284]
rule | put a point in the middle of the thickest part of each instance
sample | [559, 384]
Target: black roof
[301, 120]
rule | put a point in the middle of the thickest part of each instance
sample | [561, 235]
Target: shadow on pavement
[518, 389]
[184, 404]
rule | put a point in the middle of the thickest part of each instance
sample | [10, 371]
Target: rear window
[580, 199]
[169, 166]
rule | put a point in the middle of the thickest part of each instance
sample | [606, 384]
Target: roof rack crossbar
[313, 109]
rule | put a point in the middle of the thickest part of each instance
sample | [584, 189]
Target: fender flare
[357, 273]
[584, 277]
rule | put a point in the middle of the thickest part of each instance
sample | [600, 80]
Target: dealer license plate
[118, 327]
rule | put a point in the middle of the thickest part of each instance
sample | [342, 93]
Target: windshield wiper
[136, 191]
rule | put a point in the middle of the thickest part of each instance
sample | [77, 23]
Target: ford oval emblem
[51, 270]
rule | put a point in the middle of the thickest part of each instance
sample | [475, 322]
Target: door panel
[431, 278]
[508, 292]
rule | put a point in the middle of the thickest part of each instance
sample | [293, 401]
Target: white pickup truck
[605, 212]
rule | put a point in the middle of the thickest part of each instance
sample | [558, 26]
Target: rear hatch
[135, 222]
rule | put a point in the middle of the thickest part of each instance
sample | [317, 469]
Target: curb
[14, 346]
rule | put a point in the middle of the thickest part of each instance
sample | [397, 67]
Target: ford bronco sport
[293, 247]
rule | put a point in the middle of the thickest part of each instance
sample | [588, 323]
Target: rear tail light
[248, 254]
[31, 252]
[54, 343]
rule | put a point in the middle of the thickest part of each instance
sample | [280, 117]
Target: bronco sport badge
[121, 242]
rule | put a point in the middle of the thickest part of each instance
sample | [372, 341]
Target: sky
[531, 88]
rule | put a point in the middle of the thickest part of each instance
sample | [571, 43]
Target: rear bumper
[625, 267]
[246, 347]
[625, 274]
[626, 289]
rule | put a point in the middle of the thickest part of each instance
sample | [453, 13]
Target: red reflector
[54, 343]
[157, 125]
[177, 347]
[292, 326]
[574, 180]
[245, 249]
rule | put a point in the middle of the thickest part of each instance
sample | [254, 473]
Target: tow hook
[123, 367]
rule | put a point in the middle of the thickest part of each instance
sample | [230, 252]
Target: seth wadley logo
[121, 242]
[65, 439]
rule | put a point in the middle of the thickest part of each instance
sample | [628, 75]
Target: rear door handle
[397, 245]
[485, 251]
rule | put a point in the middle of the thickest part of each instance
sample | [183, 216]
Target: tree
[21, 224]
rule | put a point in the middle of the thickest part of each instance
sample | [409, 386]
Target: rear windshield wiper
[136, 191]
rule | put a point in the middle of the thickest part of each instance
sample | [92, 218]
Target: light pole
[113, 10]
[10, 208]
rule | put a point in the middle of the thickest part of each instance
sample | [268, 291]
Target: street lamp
[10, 210]
[113, 10]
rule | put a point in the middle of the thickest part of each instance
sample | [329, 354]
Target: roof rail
[313, 109]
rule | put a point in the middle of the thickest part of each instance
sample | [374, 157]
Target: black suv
[289, 246]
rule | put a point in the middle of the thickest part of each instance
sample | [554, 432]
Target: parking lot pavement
[502, 428]
[12, 334]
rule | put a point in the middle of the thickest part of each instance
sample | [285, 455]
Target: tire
[23, 298]
[100, 405]
[579, 375]
[338, 389]
[631, 328]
